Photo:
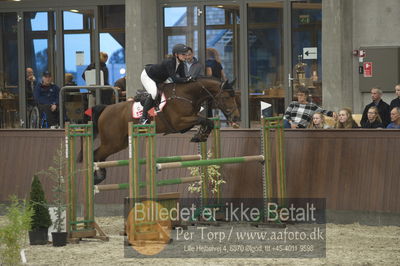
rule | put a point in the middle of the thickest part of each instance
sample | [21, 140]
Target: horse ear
[233, 82]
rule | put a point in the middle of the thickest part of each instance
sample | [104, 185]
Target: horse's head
[225, 100]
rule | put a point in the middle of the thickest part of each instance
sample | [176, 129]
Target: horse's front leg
[206, 126]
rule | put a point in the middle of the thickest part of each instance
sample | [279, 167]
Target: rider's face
[181, 57]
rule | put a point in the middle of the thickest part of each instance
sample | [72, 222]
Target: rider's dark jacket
[167, 69]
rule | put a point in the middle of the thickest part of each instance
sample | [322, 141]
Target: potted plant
[41, 220]
[55, 172]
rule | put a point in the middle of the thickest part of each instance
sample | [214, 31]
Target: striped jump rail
[228, 160]
[106, 164]
[175, 181]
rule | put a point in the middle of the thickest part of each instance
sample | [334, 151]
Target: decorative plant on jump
[213, 177]
[56, 173]
[13, 232]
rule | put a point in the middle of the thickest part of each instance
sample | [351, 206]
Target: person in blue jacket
[46, 96]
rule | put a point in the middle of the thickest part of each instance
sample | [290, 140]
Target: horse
[180, 114]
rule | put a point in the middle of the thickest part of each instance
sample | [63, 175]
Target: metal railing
[92, 89]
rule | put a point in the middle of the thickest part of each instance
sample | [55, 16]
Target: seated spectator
[318, 122]
[345, 119]
[384, 109]
[395, 118]
[121, 85]
[374, 119]
[396, 102]
[46, 96]
[299, 113]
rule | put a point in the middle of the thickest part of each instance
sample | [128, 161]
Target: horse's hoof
[196, 139]
[99, 176]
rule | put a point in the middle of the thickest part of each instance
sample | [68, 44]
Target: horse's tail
[93, 114]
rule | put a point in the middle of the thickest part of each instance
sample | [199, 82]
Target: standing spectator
[121, 85]
[69, 80]
[213, 64]
[46, 96]
[106, 95]
[318, 122]
[30, 84]
[193, 68]
[213, 69]
[395, 118]
[299, 113]
[396, 102]
[384, 109]
[374, 119]
[345, 119]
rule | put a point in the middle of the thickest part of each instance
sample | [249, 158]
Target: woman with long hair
[213, 64]
[318, 122]
[345, 119]
[374, 119]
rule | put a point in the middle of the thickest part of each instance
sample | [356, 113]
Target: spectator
[384, 109]
[318, 122]
[213, 69]
[345, 119]
[395, 118]
[46, 96]
[299, 113]
[69, 80]
[106, 95]
[193, 68]
[213, 64]
[396, 102]
[30, 84]
[374, 119]
[121, 85]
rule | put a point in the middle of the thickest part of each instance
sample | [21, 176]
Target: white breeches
[149, 84]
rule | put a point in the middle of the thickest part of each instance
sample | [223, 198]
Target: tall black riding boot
[148, 104]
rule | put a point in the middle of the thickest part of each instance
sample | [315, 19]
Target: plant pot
[38, 237]
[59, 239]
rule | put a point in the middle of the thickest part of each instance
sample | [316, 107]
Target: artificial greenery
[213, 177]
[13, 233]
[41, 218]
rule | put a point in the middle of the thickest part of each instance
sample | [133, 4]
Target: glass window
[175, 16]
[73, 20]
[306, 33]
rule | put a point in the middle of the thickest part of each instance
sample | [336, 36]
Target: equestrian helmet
[180, 49]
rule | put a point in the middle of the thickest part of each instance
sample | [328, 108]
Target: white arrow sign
[310, 53]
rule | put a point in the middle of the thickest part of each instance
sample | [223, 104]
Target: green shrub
[41, 218]
[13, 233]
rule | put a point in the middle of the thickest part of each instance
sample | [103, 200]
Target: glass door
[265, 40]
[9, 67]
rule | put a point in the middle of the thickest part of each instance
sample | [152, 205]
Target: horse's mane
[208, 77]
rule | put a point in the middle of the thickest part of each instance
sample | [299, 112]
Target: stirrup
[143, 121]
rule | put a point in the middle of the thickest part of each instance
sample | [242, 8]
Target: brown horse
[179, 115]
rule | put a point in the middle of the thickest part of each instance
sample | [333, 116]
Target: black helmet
[180, 49]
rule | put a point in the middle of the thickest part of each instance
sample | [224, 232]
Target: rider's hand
[189, 79]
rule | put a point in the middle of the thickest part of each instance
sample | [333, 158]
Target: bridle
[218, 103]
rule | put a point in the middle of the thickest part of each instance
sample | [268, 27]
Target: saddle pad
[137, 108]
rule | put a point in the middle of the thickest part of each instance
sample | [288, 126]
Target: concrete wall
[349, 25]
[141, 40]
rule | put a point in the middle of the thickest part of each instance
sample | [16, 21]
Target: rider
[171, 68]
